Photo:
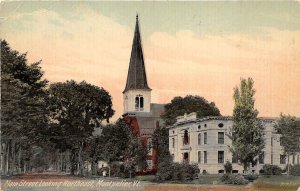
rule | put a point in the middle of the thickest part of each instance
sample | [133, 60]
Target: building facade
[205, 142]
[139, 113]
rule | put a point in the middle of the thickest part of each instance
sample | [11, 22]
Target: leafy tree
[23, 107]
[289, 128]
[16, 65]
[247, 131]
[228, 167]
[117, 143]
[75, 110]
[181, 105]
[161, 145]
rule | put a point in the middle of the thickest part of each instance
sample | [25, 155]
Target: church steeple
[136, 78]
[137, 94]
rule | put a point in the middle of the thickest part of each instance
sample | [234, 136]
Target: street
[50, 181]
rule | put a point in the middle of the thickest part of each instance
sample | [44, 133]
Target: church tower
[137, 94]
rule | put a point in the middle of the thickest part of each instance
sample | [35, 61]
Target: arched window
[205, 138]
[186, 138]
[199, 139]
[139, 103]
[173, 142]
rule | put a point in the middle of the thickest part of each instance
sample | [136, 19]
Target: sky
[190, 48]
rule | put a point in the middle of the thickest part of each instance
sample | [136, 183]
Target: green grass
[208, 179]
[148, 178]
[276, 183]
[263, 183]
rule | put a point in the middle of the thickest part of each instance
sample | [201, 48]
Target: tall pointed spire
[136, 78]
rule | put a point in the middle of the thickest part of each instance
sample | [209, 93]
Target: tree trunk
[19, 159]
[7, 159]
[13, 157]
[24, 166]
[288, 164]
[80, 165]
[3, 155]
[245, 168]
[1, 158]
[94, 168]
[72, 161]
[61, 162]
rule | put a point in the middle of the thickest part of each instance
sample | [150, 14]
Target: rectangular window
[149, 164]
[186, 158]
[234, 158]
[281, 141]
[205, 157]
[261, 158]
[220, 137]
[173, 142]
[199, 139]
[205, 138]
[199, 156]
[149, 145]
[282, 159]
[220, 156]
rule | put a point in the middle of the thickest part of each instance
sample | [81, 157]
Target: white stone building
[205, 142]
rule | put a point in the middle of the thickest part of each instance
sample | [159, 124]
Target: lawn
[276, 183]
[263, 183]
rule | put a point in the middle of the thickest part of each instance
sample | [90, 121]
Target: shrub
[251, 177]
[228, 167]
[225, 177]
[185, 171]
[176, 171]
[295, 170]
[272, 169]
[165, 170]
[234, 179]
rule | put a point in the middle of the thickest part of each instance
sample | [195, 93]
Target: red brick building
[140, 114]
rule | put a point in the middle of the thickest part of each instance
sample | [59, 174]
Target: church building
[139, 113]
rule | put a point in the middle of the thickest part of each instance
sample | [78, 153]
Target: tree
[117, 143]
[181, 105]
[75, 110]
[23, 105]
[23, 108]
[228, 167]
[247, 131]
[161, 145]
[16, 65]
[289, 129]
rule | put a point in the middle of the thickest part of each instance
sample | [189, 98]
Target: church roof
[136, 78]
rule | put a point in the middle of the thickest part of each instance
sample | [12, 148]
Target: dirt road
[63, 182]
